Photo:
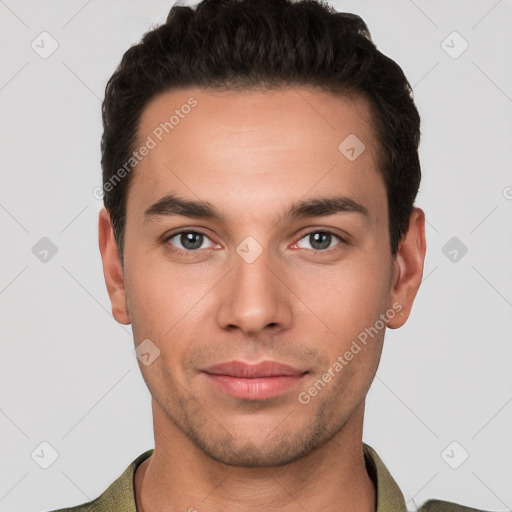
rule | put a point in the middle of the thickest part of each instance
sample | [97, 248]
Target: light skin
[253, 156]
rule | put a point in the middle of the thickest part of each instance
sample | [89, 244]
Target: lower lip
[254, 389]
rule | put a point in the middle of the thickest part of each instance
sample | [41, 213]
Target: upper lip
[253, 371]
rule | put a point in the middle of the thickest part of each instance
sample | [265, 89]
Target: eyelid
[343, 239]
[167, 237]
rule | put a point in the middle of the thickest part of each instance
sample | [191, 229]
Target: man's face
[258, 283]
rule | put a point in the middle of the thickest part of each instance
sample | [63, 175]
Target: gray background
[69, 376]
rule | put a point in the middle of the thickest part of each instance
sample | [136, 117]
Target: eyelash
[194, 252]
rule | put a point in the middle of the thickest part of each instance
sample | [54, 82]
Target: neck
[179, 476]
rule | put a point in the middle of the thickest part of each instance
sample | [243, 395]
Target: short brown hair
[244, 44]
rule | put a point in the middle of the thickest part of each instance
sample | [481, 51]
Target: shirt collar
[389, 495]
[120, 496]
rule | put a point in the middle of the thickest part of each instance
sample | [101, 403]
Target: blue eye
[193, 241]
[319, 240]
[189, 240]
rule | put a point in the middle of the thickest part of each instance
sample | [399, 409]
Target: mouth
[261, 381]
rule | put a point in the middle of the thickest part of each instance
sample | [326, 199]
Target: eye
[318, 240]
[190, 241]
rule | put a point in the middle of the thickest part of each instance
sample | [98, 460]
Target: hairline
[346, 91]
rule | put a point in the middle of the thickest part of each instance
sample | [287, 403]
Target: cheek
[158, 312]
[149, 298]
[347, 296]
[162, 301]
[347, 302]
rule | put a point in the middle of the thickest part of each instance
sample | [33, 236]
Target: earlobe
[408, 268]
[112, 268]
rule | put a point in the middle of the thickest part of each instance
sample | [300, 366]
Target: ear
[408, 268]
[112, 269]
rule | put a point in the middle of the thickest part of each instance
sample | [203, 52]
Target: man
[260, 166]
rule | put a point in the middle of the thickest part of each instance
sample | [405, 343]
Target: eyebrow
[171, 205]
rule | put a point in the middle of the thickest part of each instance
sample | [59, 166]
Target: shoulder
[102, 503]
[118, 497]
[446, 506]
[91, 506]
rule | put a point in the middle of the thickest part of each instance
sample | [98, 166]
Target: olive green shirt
[120, 495]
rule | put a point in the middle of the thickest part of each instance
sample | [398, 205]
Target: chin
[250, 455]
[272, 450]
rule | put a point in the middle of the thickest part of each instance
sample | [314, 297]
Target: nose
[254, 297]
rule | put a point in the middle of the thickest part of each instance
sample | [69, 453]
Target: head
[260, 166]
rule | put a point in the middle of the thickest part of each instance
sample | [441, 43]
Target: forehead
[255, 144]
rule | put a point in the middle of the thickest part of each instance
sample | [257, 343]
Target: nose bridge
[253, 297]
